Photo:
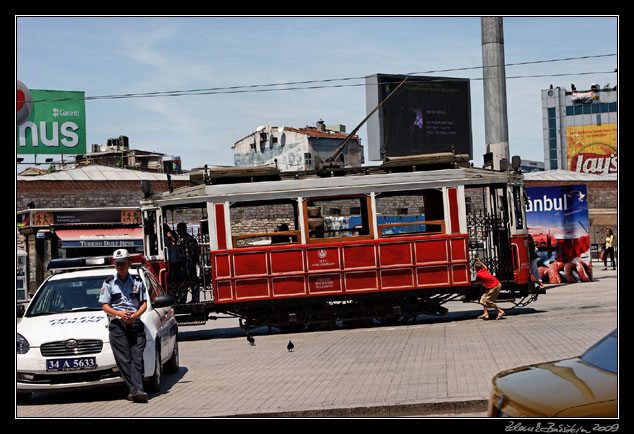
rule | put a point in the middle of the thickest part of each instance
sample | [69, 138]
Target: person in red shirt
[493, 287]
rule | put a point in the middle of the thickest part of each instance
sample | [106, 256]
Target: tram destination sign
[427, 115]
[50, 121]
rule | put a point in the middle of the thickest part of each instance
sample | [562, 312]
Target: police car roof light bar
[66, 263]
[96, 261]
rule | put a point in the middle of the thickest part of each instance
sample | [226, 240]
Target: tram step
[190, 323]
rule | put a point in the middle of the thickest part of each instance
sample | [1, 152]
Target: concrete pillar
[494, 84]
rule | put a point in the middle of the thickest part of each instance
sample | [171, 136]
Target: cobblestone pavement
[435, 367]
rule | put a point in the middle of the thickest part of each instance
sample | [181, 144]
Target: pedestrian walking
[532, 252]
[609, 249]
[492, 286]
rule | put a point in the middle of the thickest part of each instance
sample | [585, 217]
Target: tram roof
[315, 186]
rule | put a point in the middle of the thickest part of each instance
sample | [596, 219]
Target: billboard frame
[376, 127]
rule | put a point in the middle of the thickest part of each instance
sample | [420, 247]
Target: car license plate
[75, 364]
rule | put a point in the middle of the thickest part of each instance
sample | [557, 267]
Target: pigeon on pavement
[290, 346]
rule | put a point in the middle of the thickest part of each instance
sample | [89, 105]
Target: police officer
[188, 251]
[123, 299]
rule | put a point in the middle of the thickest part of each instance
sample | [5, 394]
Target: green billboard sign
[56, 124]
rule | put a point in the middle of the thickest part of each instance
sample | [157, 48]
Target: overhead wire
[299, 85]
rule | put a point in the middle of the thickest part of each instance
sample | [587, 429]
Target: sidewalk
[435, 366]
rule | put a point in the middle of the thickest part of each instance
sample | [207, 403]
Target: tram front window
[150, 236]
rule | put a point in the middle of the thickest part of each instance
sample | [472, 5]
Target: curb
[398, 410]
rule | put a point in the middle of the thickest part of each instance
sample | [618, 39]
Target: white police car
[62, 337]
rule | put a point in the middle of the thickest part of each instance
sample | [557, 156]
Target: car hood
[58, 327]
[556, 389]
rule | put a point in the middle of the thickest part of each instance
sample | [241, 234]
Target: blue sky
[120, 55]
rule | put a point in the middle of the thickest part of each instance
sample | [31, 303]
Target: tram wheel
[390, 320]
[292, 328]
[358, 322]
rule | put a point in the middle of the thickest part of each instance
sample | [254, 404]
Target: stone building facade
[89, 187]
[296, 149]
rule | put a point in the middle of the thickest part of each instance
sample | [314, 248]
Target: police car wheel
[172, 364]
[153, 385]
[23, 396]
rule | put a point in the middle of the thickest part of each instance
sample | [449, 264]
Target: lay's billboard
[592, 149]
[50, 121]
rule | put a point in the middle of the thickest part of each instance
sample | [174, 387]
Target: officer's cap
[120, 255]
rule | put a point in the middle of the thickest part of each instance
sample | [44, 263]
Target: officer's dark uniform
[127, 340]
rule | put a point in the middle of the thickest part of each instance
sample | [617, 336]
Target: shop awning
[116, 238]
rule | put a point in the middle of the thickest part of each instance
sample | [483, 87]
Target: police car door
[165, 315]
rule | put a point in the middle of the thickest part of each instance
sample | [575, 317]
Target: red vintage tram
[386, 242]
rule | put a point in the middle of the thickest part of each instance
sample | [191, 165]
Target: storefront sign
[73, 216]
[50, 121]
[114, 238]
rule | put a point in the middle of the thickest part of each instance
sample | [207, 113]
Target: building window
[552, 143]
[552, 133]
[579, 109]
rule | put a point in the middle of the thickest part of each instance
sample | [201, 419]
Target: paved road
[435, 367]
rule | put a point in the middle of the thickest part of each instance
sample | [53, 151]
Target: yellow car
[585, 386]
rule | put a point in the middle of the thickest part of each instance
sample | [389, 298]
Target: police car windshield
[68, 295]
